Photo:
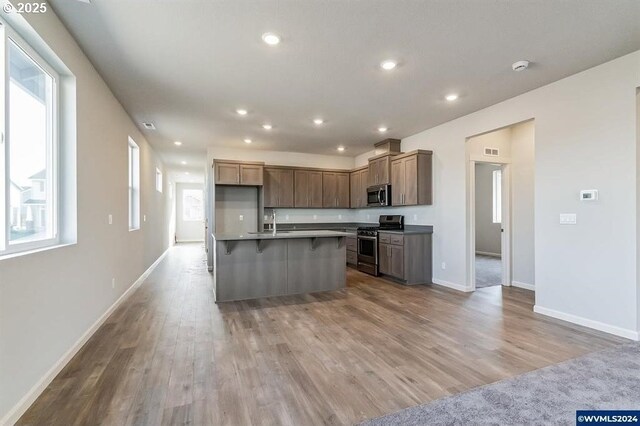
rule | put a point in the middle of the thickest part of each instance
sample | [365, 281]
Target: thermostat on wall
[588, 195]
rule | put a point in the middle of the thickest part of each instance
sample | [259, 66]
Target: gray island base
[250, 266]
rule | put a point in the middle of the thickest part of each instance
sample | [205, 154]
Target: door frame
[505, 246]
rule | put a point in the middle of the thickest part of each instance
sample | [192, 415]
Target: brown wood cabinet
[359, 180]
[380, 170]
[308, 188]
[411, 179]
[406, 258]
[335, 190]
[278, 187]
[238, 173]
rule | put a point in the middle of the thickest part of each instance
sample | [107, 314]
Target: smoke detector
[149, 125]
[520, 65]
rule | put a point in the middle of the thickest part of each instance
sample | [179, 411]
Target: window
[134, 186]
[497, 196]
[158, 180]
[29, 174]
[192, 205]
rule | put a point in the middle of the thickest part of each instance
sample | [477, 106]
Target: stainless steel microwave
[379, 195]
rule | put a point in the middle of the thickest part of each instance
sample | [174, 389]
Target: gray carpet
[609, 379]
[488, 271]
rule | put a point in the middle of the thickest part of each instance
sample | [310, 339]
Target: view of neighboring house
[28, 214]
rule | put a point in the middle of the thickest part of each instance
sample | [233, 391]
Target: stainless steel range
[368, 242]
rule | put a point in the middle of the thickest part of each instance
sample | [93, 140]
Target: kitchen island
[264, 264]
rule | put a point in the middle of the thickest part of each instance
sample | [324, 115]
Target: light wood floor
[170, 355]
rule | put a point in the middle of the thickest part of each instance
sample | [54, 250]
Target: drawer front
[397, 240]
[384, 238]
[352, 244]
[352, 258]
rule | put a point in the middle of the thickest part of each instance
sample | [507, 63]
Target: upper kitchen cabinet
[411, 179]
[278, 187]
[380, 169]
[308, 188]
[335, 190]
[238, 173]
[359, 180]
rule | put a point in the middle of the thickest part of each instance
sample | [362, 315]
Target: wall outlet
[286, 217]
[315, 217]
[568, 218]
[113, 283]
[444, 265]
[368, 216]
[339, 216]
[241, 217]
[415, 217]
[144, 217]
[110, 219]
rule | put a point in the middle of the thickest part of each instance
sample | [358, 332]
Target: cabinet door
[271, 187]
[384, 259]
[342, 190]
[315, 189]
[364, 181]
[285, 196]
[410, 181]
[355, 190]
[329, 187]
[397, 261]
[397, 182]
[373, 172]
[227, 173]
[301, 188]
[250, 174]
[384, 164]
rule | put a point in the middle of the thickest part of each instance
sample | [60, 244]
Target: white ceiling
[186, 65]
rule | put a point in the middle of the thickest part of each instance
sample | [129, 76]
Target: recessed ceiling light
[247, 140]
[183, 162]
[241, 111]
[267, 126]
[388, 65]
[177, 143]
[341, 148]
[451, 97]
[318, 121]
[271, 39]
[382, 129]
[186, 173]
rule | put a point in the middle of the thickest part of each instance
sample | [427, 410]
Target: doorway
[500, 208]
[488, 208]
[189, 212]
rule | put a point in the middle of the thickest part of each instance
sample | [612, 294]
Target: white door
[189, 212]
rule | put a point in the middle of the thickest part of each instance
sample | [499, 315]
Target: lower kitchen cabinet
[352, 251]
[406, 258]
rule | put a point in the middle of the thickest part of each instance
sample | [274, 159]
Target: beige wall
[48, 300]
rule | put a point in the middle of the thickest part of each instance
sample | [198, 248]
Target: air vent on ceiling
[492, 152]
[149, 126]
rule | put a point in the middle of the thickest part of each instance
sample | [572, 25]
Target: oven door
[368, 249]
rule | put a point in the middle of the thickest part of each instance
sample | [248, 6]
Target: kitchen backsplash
[416, 215]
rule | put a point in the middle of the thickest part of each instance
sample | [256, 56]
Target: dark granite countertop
[351, 226]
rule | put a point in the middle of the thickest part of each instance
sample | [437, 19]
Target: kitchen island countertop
[284, 234]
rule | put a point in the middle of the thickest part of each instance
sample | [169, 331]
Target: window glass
[134, 186]
[192, 205]
[497, 196]
[31, 149]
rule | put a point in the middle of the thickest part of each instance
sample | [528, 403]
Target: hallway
[170, 355]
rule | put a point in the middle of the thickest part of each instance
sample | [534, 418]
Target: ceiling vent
[492, 152]
[149, 126]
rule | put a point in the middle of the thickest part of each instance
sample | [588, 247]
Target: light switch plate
[589, 195]
[241, 217]
[110, 219]
[568, 218]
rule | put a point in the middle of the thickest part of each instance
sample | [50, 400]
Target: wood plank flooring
[170, 355]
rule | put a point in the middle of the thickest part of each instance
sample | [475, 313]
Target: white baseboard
[451, 285]
[526, 286]
[596, 325]
[21, 407]
[488, 253]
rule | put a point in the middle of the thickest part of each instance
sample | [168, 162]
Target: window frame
[159, 180]
[133, 158]
[496, 185]
[184, 192]
[9, 35]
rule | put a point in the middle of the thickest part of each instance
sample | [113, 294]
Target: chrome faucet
[273, 220]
